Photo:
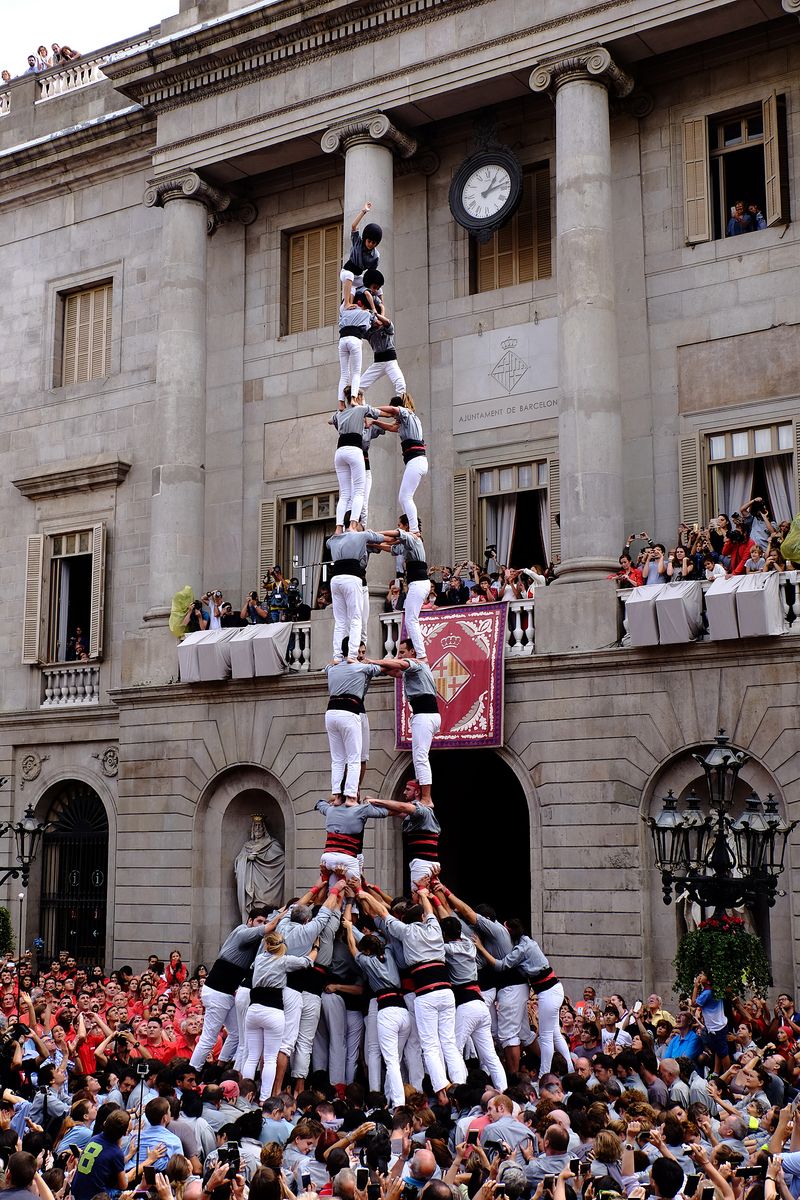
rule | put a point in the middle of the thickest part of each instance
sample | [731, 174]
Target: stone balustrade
[298, 654]
[68, 78]
[5, 103]
[70, 684]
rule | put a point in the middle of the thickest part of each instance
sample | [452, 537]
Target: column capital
[791, 6]
[371, 127]
[588, 62]
[220, 206]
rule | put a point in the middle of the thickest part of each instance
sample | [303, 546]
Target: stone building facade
[610, 361]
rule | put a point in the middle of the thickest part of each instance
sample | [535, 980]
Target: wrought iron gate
[75, 876]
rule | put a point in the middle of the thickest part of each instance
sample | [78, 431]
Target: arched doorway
[74, 874]
[485, 846]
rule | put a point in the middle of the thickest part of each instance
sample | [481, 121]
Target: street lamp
[27, 836]
[711, 858]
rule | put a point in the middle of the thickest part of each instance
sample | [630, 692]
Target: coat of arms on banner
[465, 648]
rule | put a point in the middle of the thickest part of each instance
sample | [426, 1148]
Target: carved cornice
[372, 127]
[187, 186]
[80, 475]
[792, 6]
[589, 62]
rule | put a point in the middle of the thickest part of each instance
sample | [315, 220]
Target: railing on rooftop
[70, 77]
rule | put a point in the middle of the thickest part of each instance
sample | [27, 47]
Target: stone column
[369, 144]
[590, 415]
[584, 616]
[178, 492]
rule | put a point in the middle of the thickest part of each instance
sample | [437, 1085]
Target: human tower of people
[423, 981]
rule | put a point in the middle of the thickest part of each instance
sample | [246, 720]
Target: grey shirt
[352, 419]
[300, 938]
[422, 941]
[418, 679]
[352, 545]
[413, 547]
[422, 820]
[381, 338]
[410, 425]
[348, 819]
[461, 959]
[350, 679]
[361, 318]
[526, 955]
[381, 974]
[241, 946]
[270, 970]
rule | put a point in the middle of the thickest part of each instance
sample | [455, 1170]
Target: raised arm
[365, 208]
[461, 907]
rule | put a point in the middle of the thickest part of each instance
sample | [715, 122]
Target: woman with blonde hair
[266, 1020]
[185, 1185]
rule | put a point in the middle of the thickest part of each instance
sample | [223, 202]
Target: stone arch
[42, 801]
[389, 851]
[662, 924]
[221, 824]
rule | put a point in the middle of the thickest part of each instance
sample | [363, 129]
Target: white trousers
[416, 596]
[264, 1031]
[550, 1034]
[242, 1005]
[335, 1015]
[355, 1033]
[336, 863]
[424, 727]
[351, 472]
[364, 737]
[309, 1020]
[372, 1050]
[344, 738]
[414, 473]
[364, 613]
[412, 1058]
[350, 364]
[474, 1023]
[490, 998]
[292, 1011]
[346, 594]
[219, 1009]
[513, 1026]
[365, 505]
[420, 870]
[394, 1027]
[435, 1013]
[392, 372]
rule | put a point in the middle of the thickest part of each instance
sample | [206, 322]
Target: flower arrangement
[733, 959]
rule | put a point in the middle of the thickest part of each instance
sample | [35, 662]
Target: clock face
[485, 192]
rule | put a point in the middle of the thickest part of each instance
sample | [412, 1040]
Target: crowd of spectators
[745, 218]
[278, 600]
[43, 59]
[747, 541]
[467, 583]
[98, 1098]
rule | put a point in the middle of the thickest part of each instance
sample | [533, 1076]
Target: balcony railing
[298, 654]
[69, 78]
[786, 621]
[519, 636]
[5, 103]
[70, 685]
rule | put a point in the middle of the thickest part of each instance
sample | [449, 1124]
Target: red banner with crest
[465, 648]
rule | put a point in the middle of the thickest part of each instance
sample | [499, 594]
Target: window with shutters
[64, 596]
[85, 317]
[752, 462]
[735, 172]
[521, 251]
[314, 260]
[513, 515]
[306, 524]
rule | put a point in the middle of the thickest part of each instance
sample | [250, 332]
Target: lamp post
[27, 837]
[711, 858]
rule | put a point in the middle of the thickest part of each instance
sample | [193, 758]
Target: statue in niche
[259, 869]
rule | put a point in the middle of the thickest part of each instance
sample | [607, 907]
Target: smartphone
[637, 1008]
[691, 1184]
[585, 1170]
[74, 1150]
[397, 1146]
[305, 1181]
[573, 1165]
[472, 1137]
[234, 1161]
[750, 1172]
[373, 1191]
[362, 1178]
[149, 1174]
[707, 1191]
[549, 1182]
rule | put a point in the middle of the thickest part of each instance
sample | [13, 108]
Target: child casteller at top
[364, 254]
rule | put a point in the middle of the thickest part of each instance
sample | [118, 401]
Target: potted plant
[733, 959]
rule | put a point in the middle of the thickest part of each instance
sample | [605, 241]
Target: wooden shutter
[98, 590]
[544, 241]
[462, 515]
[32, 614]
[690, 480]
[775, 172]
[87, 335]
[521, 251]
[314, 265]
[696, 209]
[554, 508]
[266, 539]
[797, 466]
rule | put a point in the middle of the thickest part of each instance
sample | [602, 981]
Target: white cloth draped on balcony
[258, 650]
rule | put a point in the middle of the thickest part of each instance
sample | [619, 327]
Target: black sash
[352, 331]
[351, 704]
[225, 976]
[416, 570]
[268, 997]
[349, 439]
[386, 356]
[423, 704]
[412, 449]
[348, 566]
